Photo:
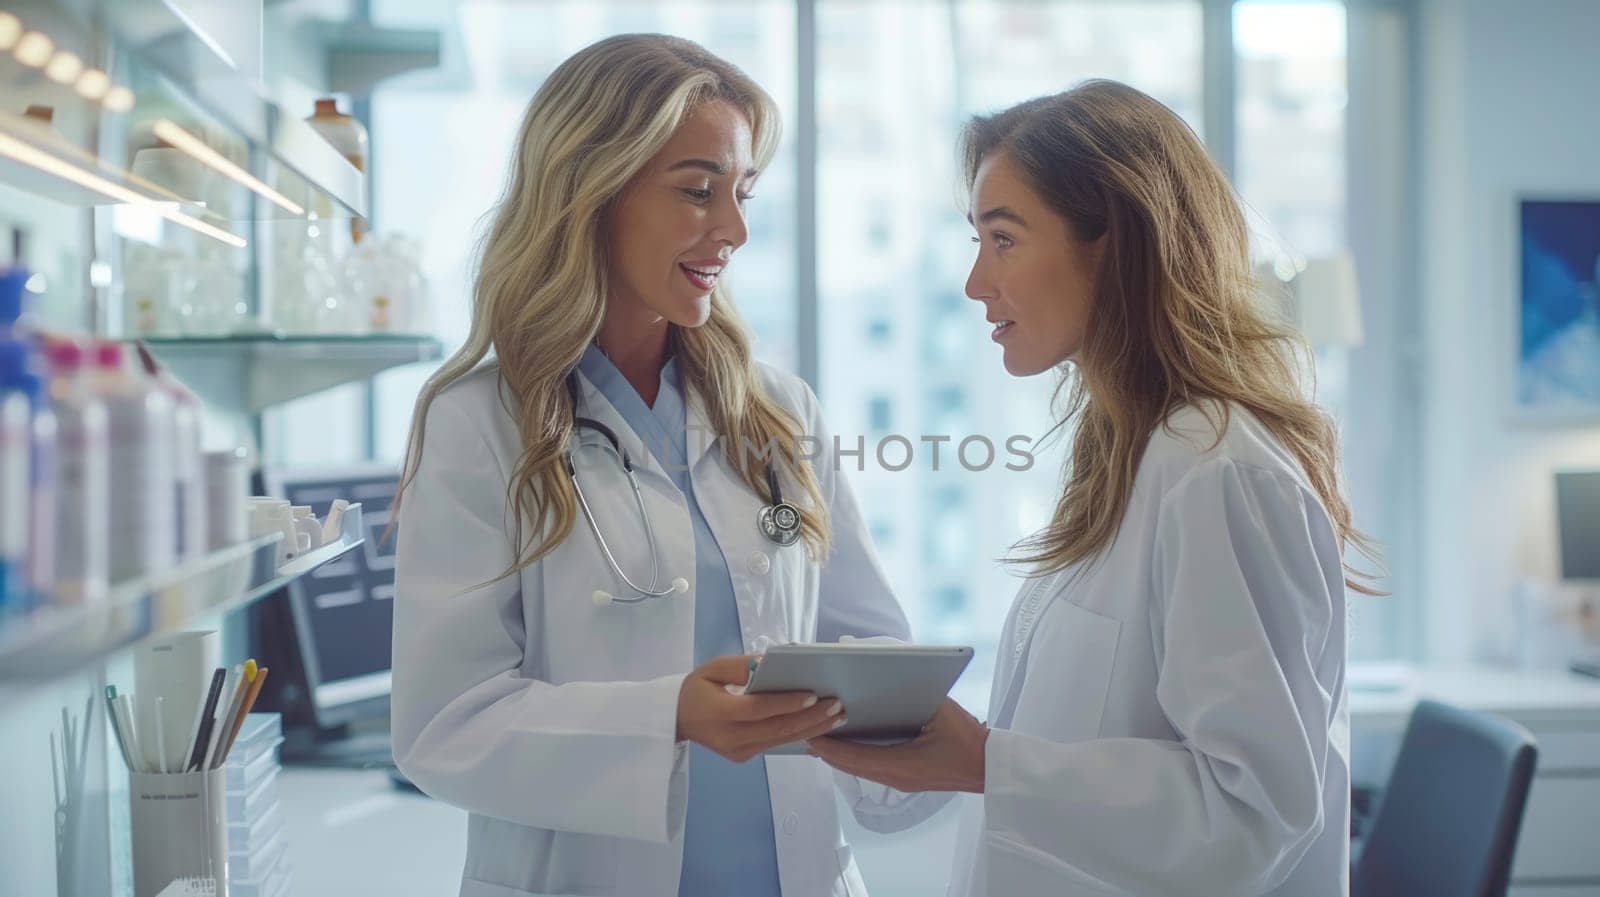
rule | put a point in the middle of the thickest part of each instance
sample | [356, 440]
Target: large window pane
[1290, 108]
[903, 352]
[1292, 122]
[469, 116]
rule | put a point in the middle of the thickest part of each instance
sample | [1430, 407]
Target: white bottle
[188, 465]
[189, 498]
[82, 480]
[142, 516]
[43, 510]
[16, 440]
[227, 484]
[19, 392]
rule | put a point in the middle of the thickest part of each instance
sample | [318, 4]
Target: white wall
[1508, 98]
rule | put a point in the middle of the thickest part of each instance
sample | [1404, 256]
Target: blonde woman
[1168, 713]
[601, 523]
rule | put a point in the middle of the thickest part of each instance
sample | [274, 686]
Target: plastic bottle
[13, 279]
[188, 462]
[16, 441]
[20, 375]
[83, 480]
[142, 513]
[43, 467]
[227, 483]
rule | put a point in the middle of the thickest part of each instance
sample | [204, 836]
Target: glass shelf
[359, 55]
[250, 373]
[55, 641]
[187, 126]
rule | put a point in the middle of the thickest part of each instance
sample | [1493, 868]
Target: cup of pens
[180, 830]
[176, 785]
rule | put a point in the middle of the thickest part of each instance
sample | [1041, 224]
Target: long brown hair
[1177, 316]
[539, 296]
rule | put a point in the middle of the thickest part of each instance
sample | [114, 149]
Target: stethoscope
[779, 521]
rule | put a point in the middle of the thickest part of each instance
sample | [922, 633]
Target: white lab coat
[1171, 719]
[552, 720]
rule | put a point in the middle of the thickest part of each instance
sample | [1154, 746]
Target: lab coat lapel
[593, 404]
[701, 435]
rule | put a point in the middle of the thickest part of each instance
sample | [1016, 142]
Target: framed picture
[1558, 341]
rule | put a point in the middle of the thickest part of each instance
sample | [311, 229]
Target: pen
[205, 720]
[225, 721]
[244, 710]
[219, 719]
[116, 724]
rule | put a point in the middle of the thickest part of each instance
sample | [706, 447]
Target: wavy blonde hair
[540, 293]
[1177, 317]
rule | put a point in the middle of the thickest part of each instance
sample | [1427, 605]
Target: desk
[1558, 852]
[351, 833]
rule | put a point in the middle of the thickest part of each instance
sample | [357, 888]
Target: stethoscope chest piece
[780, 523]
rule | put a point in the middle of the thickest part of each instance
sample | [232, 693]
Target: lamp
[1327, 302]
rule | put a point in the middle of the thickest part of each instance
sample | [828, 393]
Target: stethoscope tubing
[778, 533]
[640, 594]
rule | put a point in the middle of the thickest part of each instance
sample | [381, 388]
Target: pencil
[244, 710]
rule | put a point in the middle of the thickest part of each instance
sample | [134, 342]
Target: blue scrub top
[728, 842]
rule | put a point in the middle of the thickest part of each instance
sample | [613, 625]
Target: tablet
[889, 691]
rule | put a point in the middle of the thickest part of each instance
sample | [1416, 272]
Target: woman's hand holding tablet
[741, 726]
[889, 691]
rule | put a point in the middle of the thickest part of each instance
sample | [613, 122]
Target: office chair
[1448, 821]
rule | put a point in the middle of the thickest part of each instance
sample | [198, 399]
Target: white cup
[180, 829]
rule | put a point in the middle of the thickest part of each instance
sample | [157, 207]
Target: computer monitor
[340, 617]
[1578, 516]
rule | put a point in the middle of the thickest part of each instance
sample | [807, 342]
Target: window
[896, 79]
[900, 349]
[1293, 74]
[471, 110]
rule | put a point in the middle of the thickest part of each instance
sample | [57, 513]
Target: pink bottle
[143, 507]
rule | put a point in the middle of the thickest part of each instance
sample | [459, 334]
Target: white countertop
[1391, 691]
[350, 832]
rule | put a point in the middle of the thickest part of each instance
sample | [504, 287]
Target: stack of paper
[258, 864]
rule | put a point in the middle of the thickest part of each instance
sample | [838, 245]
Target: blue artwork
[1559, 349]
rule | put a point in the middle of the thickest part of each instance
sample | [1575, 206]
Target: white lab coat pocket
[1063, 691]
